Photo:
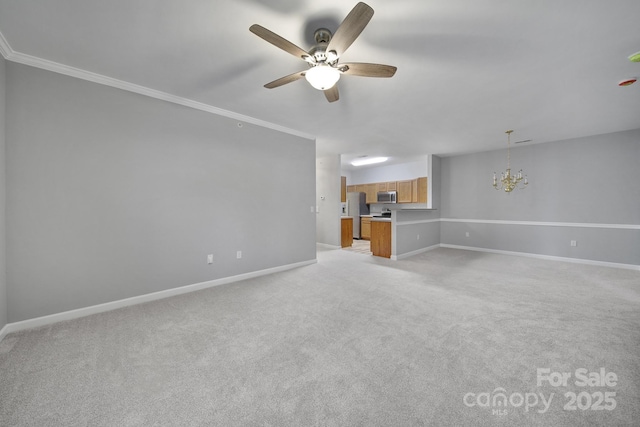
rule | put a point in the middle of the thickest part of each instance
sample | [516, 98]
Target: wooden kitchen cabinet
[381, 238]
[346, 235]
[422, 190]
[343, 189]
[408, 191]
[404, 191]
[372, 193]
[365, 228]
[414, 190]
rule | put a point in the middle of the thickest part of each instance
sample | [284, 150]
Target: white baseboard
[416, 252]
[113, 305]
[327, 246]
[547, 257]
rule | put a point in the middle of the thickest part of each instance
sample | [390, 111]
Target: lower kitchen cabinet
[381, 238]
[365, 228]
[346, 234]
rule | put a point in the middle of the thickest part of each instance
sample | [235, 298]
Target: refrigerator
[356, 206]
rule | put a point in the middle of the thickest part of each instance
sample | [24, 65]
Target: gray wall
[112, 195]
[3, 271]
[581, 189]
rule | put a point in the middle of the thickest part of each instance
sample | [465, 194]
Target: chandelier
[509, 182]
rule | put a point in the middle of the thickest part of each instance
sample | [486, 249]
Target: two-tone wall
[113, 195]
[582, 190]
[418, 230]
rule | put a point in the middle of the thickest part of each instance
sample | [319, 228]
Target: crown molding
[5, 49]
[9, 54]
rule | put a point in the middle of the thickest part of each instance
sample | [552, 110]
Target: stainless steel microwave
[387, 197]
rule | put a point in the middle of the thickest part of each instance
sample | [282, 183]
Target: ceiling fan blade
[286, 79]
[367, 70]
[278, 41]
[350, 28]
[332, 93]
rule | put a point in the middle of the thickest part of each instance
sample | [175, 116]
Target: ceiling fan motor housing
[319, 51]
[322, 35]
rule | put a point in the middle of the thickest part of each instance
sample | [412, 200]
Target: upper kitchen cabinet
[421, 190]
[412, 191]
[369, 190]
[404, 190]
[409, 191]
[372, 193]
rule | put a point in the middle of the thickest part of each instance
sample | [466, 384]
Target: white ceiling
[467, 69]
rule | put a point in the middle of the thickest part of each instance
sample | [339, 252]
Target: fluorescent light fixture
[322, 76]
[369, 161]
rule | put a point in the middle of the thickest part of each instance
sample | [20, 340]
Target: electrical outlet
[210, 259]
[466, 234]
[239, 254]
[418, 237]
[311, 209]
[574, 243]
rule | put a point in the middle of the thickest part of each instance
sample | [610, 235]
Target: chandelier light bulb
[322, 76]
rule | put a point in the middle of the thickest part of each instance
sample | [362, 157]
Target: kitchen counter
[381, 218]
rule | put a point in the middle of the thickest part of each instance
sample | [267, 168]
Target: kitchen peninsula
[405, 233]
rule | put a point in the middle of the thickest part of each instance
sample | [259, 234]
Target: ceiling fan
[325, 71]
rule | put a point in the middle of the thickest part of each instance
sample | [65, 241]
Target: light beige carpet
[445, 338]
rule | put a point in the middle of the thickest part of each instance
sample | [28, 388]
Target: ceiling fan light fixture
[322, 76]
